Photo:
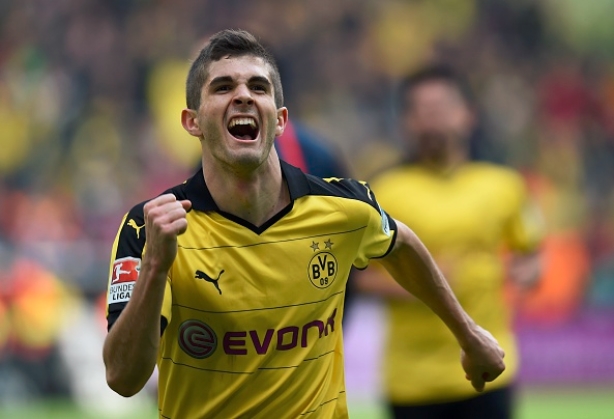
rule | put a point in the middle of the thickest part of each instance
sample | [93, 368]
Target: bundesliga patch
[123, 277]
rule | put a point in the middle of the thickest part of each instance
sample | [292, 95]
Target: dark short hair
[234, 43]
[437, 73]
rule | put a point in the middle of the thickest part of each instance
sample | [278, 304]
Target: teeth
[242, 121]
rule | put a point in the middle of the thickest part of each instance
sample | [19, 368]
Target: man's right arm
[131, 347]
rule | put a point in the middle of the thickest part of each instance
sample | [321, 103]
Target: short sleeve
[125, 265]
[379, 234]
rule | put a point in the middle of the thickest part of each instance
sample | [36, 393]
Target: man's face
[437, 117]
[237, 116]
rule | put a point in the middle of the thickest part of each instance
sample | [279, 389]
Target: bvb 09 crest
[323, 269]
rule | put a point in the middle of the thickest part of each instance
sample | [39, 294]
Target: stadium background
[90, 93]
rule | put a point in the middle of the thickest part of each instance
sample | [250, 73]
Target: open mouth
[244, 128]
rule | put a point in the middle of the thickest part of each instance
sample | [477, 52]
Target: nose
[243, 96]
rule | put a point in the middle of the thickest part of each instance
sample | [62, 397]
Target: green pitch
[597, 403]
[591, 403]
[60, 409]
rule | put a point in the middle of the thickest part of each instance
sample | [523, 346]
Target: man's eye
[260, 87]
[223, 88]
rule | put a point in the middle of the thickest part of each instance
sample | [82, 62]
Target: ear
[282, 121]
[190, 122]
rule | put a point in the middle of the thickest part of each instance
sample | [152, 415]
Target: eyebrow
[221, 79]
[228, 79]
[260, 79]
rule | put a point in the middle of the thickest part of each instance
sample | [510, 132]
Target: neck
[255, 196]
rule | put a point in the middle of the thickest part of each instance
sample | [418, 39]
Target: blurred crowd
[91, 91]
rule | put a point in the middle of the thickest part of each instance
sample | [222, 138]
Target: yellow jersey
[465, 218]
[252, 316]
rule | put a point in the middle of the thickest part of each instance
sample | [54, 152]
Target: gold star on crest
[315, 246]
[329, 244]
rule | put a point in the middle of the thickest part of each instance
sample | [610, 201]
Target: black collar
[196, 189]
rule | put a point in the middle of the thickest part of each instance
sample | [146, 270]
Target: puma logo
[214, 281]
[138, 228]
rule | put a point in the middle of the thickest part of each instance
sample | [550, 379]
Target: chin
[248, 161]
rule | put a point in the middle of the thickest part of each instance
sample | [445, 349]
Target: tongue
[244, 137]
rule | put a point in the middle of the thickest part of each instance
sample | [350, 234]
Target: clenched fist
[165, 219]
[482, 360]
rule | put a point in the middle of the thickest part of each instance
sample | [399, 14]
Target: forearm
[131, 347]
[412, 266]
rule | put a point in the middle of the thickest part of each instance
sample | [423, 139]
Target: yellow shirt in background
[465, 218]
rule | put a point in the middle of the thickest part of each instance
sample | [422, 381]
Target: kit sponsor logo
[200, 341]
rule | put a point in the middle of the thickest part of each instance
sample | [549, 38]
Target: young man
[233, 281]
[466, 213]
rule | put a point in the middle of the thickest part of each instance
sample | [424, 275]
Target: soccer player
[466, 213]
[237, 278]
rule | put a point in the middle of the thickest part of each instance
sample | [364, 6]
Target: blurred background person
[469, 213]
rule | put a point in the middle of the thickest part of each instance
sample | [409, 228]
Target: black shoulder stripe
[351, 189]
[343, 188]
[132, 234]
